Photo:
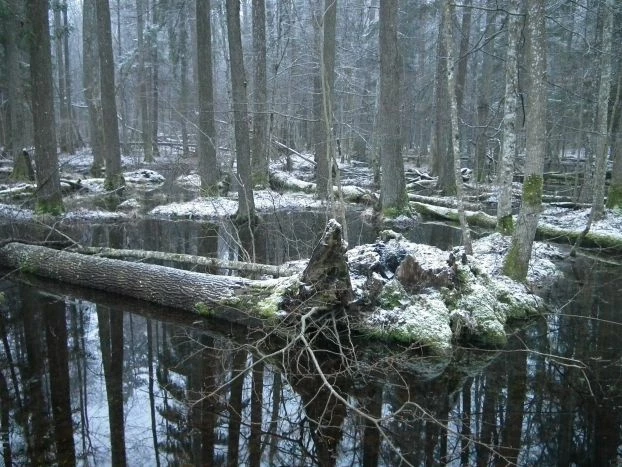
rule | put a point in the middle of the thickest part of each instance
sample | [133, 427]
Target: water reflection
[86, 379]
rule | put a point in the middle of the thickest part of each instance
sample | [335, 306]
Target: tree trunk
[505, 224]
[517, 259]
[454, 125]
[145, 122]
[73, 134]
[393, 186]
[90, 60]
[246, 203]
[155, 78]
[261, 147]
[208, 164]
[49, 197]
[114, 176]
[63, 140]
[442, 147]
[14, 83]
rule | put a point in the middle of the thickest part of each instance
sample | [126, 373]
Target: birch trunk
[505, 223]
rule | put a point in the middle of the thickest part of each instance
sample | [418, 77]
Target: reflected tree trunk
[488, 431]
[33, 374]
[371, 435]
[5, 410]
[235, 408]
[202, 415]
[277, 388]
[256, 414]
[516, 363]
[111, 341]
[152, 410]
[60, 389]
[465, 432]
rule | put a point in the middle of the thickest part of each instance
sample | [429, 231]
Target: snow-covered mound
[436, 298]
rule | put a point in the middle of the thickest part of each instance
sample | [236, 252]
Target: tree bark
[114, 176]
[505, 223]
[255, 268]
[145, 122]
[517, 259]
[393, 186]
[260, 151]
[91, 84]
[208, 164]
[246, 202]
[454, 125]
[49, 197]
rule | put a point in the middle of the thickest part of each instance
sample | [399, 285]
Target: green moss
[2, 298]
[392, 296]
[53, 207]
[614, 196]
[505, 225]
[514, 267]
[203, 309]
[532, 190]
[114, 182]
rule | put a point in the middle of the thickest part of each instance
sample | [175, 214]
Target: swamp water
[92, 379]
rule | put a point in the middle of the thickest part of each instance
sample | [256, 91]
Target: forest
[361, 202]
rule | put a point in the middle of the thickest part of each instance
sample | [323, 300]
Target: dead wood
[212, 263]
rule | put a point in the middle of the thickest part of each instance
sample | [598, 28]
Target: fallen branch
[212, 263]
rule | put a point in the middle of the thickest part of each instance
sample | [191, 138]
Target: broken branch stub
[326, 278]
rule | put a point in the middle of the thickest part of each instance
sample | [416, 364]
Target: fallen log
[233, 298]
[287, 269]
[543, 232]
[202, 293]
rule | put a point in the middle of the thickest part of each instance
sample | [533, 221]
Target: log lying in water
[232, 298]
[192, 260]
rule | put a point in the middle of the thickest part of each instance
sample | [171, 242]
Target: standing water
[88, 378]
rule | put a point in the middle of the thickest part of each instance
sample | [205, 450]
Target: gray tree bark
[505, 223]
[145, 121]
[208, 164]
[246, 203]
[49, 198]
[517, 260]
[91, 85]
[261, 146]
[449, 12]
[114, 176]
[393, 186]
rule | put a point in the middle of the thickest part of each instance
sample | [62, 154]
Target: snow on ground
[265, 200]
[575, 220]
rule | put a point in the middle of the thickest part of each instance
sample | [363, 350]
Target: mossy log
[191, 260]
[591, 240]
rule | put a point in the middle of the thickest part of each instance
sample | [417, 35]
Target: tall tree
[452, 89]
[112, 148]
[261, 145]
[393, 186]
[155, 76]
[22, 166]
[91, 87]
[442, 149]
[143, 97]
[208, 164]
[327, 77]
[601, 124]
[246, 203]
[505, 223]
[49, 197]
[64, 139]
[517, 259]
